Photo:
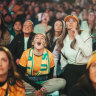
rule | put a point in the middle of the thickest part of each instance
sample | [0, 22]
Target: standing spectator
[43, 27]
[23, 41]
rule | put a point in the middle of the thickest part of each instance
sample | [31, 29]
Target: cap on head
[92, 59]
[71, 16]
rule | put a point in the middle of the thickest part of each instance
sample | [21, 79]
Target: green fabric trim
[39, 82]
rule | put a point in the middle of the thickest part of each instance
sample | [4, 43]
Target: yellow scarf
[45, 66]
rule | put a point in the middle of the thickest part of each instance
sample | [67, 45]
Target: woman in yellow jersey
[10, 84]
[38, 64]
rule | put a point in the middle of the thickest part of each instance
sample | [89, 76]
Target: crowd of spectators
[20, 20]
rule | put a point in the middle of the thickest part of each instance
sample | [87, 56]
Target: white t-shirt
[68, 51]
[25, 42]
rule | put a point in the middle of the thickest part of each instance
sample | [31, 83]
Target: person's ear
[45, 45]
[32, 43]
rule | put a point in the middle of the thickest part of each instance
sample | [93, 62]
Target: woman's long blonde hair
[60, 40]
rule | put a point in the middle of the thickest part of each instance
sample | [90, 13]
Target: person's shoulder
[32, 34]
[27, 51]
[19, 88]
[37, 25]
[19, 36]
[49, 52]
[49, 26]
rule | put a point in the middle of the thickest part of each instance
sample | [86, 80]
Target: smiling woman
[10, 84]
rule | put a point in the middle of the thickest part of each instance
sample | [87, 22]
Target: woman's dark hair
[3, 28]
[17, 20]
[86, 83]
[52, 32]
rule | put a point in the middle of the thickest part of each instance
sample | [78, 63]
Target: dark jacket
[17, 45]
[78, 90]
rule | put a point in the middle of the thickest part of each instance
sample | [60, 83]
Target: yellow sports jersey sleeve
[51, 59]
[24, 58]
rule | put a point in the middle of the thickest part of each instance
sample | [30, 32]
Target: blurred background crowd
[21, 19]
[32, 9]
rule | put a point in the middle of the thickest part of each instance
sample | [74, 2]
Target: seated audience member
[8, 21]
[23, 41]
[52, 37]
[5, 37]
[36, 67]
[10, 84]
[54, 33]
[43, 27]
[89, 24]
[87, 83]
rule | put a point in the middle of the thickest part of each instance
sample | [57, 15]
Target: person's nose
[71, 22]
[39, 40]
[27, 26]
